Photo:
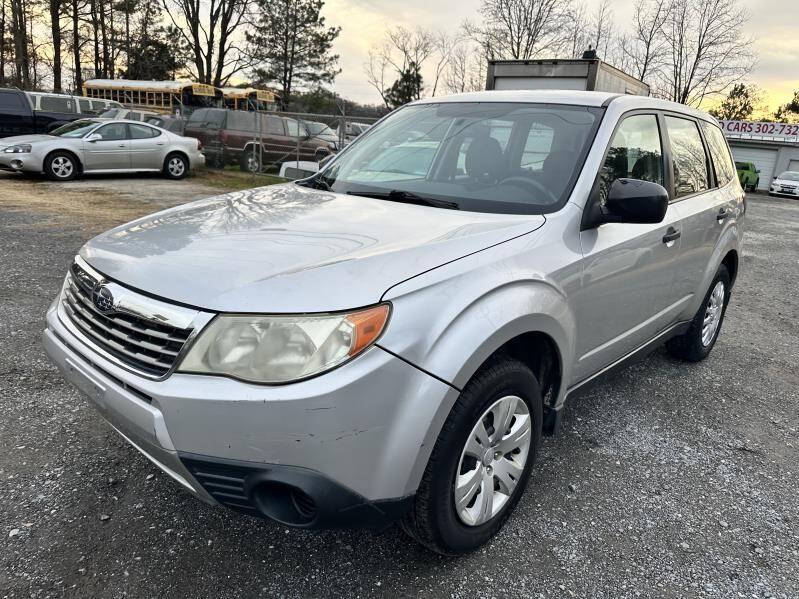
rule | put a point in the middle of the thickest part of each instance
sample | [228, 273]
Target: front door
[146, 147]
[627, 294]
[110, 152]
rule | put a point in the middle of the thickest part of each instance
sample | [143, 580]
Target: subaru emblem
[102, 298]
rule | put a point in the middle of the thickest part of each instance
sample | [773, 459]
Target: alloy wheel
[492, 461]
[713, 311]
[176, 167]
[62, 167]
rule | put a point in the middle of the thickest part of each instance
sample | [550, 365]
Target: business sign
[749, 129]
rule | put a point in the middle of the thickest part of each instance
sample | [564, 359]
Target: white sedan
[91, 146]
[787, 184]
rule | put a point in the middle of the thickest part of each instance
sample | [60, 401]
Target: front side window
[720, 155]
[142, 132]
[274, 125]
[635, 153]
[688, 156]
[476, 155]
[113, 132]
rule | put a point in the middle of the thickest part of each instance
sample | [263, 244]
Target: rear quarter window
[56, 104]
[719, 154]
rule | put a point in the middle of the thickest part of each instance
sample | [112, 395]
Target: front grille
[223, 482]
[145, 345]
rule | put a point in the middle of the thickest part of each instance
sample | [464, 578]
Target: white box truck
[587, 74]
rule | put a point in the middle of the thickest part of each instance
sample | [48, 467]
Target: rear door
[627, 296]
[16, 114]
[109, 153]
[705, 173]
[146, 147]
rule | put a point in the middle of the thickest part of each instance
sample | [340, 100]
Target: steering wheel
[530, 185]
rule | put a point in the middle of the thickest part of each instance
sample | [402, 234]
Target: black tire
[690, 346]
[250, 162]
[176, 166]
[61, 166]
[433, 520]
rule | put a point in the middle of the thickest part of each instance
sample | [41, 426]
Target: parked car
[27, 113]
[376, 343]
[322, 132]
[252, 139]
[100, 145]
[294, 169]
[129, 114]
[787, 184]
[748, 175]
[352, 130]
[173, 124]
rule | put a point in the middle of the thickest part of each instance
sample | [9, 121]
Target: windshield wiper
[406, 197]
[315, 182]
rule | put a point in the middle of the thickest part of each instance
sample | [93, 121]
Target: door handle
[671, 236]
[121, 146]
[723, 213]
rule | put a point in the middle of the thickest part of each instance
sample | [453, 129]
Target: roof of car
[569, 97]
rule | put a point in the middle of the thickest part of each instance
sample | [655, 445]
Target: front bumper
[28, 163]
[355, 441]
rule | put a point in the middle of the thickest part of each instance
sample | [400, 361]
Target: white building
[772, 147]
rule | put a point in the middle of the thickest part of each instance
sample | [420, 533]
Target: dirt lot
[669, 480]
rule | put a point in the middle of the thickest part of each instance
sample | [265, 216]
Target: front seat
[484, 160]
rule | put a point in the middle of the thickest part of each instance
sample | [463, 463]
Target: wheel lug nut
[497, 455]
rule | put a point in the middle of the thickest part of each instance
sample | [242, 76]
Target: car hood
[25, 139]
[288, 248]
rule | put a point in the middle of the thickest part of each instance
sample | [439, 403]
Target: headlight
[20, 149]
[280, 349]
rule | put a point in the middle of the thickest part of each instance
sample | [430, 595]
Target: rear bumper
[352, 443]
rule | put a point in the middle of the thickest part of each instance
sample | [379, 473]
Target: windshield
[789, 176]
[319, 128]
[75, 128]
[487, 157]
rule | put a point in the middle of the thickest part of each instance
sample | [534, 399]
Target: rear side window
[85, 105]
[240, 120]
[198, 116]
[635, 153]
[11, 101]
[688, 153]
[215, 118]
[719, 154]
[56, 104]
[142, 132]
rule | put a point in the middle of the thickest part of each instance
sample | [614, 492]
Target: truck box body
[571, 74]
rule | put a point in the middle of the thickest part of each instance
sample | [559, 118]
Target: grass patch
[234, 180]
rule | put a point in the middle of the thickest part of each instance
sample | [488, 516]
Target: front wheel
[481, 461]
[250, 161]
[61, 166]
[176, 166]
[697, 343]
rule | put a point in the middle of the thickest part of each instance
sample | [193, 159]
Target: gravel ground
[668, 480]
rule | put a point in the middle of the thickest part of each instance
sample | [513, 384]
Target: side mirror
[94, 137]
[629, 201]
[757, 170]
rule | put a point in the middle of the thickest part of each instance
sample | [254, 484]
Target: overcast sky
[773, 23]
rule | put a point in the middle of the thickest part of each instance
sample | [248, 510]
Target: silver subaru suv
[388, 340]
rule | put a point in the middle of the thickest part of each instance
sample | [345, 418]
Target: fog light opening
[16, 164]
[285, 503]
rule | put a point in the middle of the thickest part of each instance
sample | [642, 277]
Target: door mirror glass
[635, 201]
[94, 137]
